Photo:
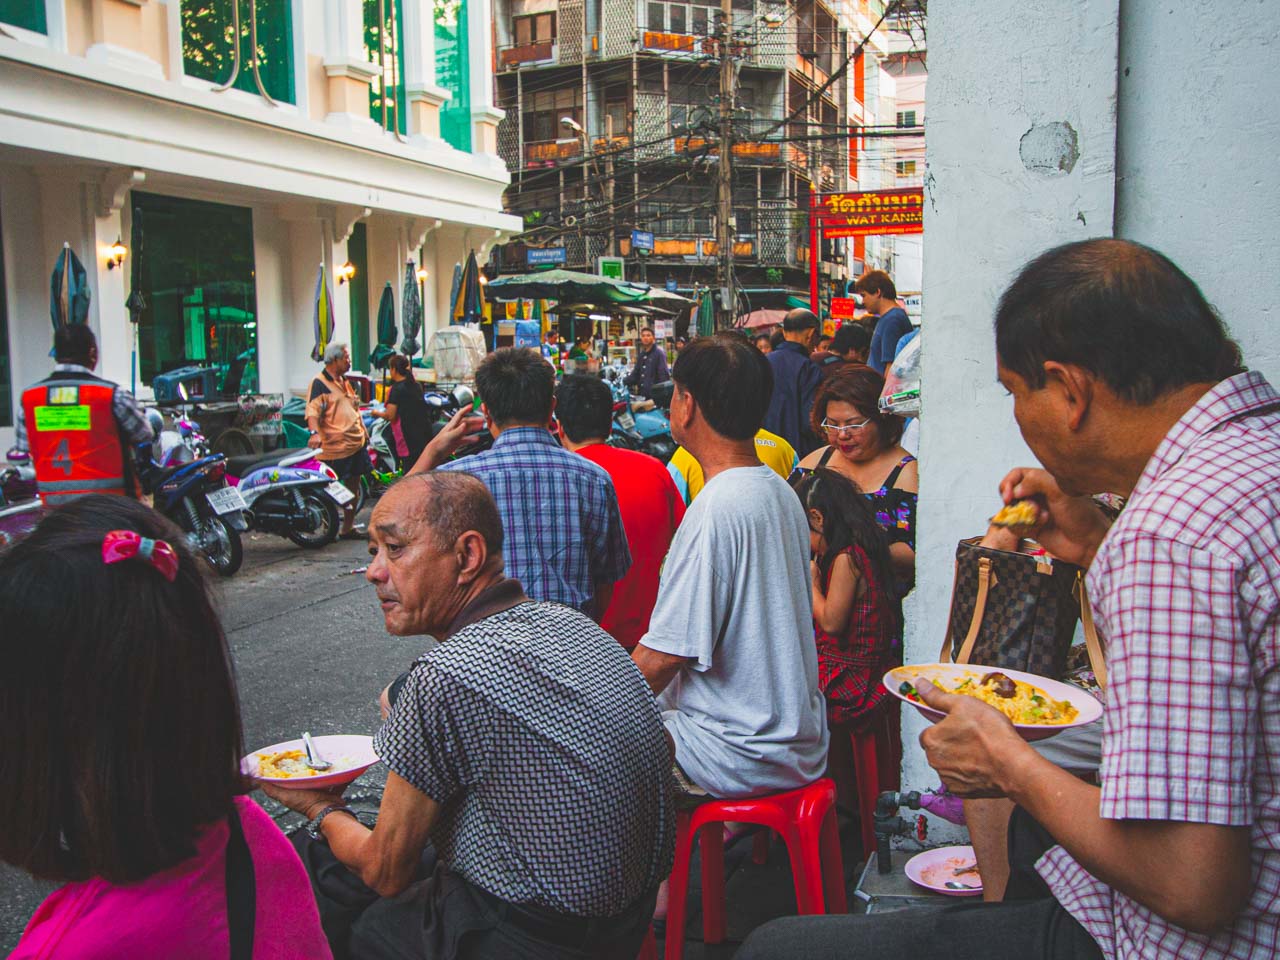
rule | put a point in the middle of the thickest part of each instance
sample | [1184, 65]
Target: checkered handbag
[1017, 611]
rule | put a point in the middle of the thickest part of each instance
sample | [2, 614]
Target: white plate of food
[1036, 706]
[286, 763]
[952, 871]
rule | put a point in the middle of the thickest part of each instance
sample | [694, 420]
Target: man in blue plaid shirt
[563, 534]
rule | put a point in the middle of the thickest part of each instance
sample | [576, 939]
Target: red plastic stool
[877, 760]
[649, 947]
[806, 819]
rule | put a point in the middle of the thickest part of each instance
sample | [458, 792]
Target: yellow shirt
[774, 452]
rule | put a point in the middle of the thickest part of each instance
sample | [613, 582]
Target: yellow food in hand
[1020, 513]
[285, 764]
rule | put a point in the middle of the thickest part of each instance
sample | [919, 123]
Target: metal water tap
[889, 825]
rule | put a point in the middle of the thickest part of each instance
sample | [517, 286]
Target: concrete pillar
[1021, 157]
[424, 98]
[348, 70]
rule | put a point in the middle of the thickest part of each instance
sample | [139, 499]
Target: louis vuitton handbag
[1019, 611]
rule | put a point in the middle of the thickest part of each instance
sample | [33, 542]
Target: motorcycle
[195, 495]
[20, 507]
[291, 494]
[648, 431]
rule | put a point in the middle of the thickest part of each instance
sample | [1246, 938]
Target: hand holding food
[1069, 528]
[1020, 702]
[972, 747]
[1021, 514]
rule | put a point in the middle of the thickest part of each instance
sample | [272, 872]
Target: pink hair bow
[121, 545]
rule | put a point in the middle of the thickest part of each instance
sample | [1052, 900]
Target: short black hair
[516, 385]
[731, 382]
[851, 337]
[73, 343]
[799, 319]
[647, 330]
[776, 338]
[119, 721]
[584, 407]
[1120, 310]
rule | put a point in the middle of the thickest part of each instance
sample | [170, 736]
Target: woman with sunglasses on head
[120, 745]
[863, 445]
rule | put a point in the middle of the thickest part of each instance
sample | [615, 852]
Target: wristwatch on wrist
[313, 828]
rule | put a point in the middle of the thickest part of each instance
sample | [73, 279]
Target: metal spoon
[956, 885]
[314, 760]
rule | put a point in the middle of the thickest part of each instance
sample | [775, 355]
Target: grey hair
[333, 352]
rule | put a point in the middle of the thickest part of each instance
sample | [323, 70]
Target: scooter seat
[241, 466]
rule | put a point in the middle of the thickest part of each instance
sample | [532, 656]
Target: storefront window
[453, 72]
[390, 36]
[196, 274]
[208, 44]
[27, 14]
[358, 293]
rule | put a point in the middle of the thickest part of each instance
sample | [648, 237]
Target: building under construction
[614, 124]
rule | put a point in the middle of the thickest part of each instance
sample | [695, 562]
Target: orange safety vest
[74, 439]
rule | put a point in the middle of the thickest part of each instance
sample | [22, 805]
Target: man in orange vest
[79, 428]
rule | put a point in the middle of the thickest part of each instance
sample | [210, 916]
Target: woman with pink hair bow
[120, 738]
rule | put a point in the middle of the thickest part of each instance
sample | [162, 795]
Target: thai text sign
[842, 308]
[869, 213]
[537, 256]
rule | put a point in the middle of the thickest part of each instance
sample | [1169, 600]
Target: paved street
[311, 653]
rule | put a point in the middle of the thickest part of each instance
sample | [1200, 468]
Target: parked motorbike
[20, 507]
[648, 431]
[194, 494]
[291, 494]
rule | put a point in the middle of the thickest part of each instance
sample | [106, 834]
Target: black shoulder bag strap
[242, 893]
[826, 456]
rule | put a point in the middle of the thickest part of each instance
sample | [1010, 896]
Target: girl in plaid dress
[855, 616]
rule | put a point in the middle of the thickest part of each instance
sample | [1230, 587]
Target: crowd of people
[621, 641]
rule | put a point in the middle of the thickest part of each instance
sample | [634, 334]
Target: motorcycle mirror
[463, 396]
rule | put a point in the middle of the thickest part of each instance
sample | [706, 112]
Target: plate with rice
[286, 763]
[1036, 706]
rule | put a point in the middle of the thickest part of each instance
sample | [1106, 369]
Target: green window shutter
[27, 14]
[358, 294]
[208, 44]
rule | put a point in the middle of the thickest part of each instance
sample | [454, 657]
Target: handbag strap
[986, 577]
[242, 892]
[944, 655]
[1093, 645]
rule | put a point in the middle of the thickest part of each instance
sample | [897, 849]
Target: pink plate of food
[952, 871]
[286, 763]
[1036, 706]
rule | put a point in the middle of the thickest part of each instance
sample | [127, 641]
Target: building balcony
[549, 153]
[514, 56]
[746, 151]
[614, 144]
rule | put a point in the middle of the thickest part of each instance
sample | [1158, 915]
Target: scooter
[648, 431]
[292, 494]
[20, 506]
[195, 495]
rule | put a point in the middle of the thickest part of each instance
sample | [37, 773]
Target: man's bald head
[447, 503]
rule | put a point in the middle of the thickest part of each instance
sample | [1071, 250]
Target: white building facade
[334, 132]
[1104, 119]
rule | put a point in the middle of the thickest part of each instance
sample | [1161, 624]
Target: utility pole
[608, 184]
[724, 186]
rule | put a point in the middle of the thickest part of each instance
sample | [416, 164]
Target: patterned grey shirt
[543, 744]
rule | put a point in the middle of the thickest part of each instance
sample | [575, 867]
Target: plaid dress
[850, 665]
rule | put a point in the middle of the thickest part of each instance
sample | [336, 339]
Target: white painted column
[424, 97]
[1019, 159]
[485, 117]
[346, 67]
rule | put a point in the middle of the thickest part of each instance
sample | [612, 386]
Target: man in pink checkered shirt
[1125, 381]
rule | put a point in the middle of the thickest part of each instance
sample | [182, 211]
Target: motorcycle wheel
[220, 544]
[324, 516]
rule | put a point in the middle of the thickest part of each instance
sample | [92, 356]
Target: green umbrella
[386, 347]
[568, 286]
[706, 316]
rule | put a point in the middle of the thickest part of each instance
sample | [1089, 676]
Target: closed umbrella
[68, 290]
[322, 315]
[468, 302]
[386, 347]
[453, 289]
[706, 315]
[569, 285]
[411, 311]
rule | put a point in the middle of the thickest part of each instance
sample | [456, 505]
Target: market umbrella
[386, 347]
[68, 290]
[137, 301]
[322, 315]
[468, 301]
[411, 312]
[453, 288]
[568, 285]
[706, 316]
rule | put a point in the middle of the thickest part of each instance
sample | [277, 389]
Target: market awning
[567, 285]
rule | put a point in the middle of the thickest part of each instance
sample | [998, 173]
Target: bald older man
[525, 749]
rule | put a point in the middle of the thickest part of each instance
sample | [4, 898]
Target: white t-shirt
[747, 717]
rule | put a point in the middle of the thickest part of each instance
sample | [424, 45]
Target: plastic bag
[901, 394]
[456, 351]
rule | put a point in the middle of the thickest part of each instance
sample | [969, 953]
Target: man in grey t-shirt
[730, 646]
